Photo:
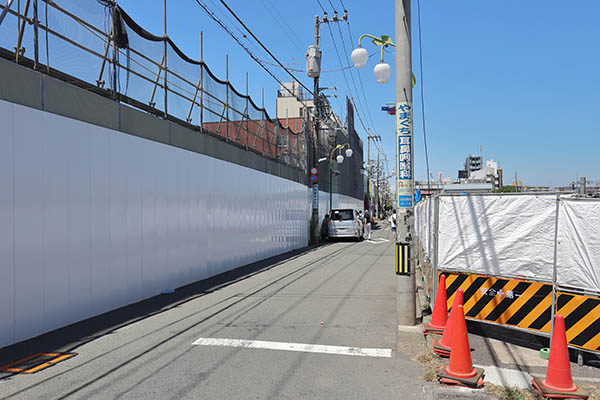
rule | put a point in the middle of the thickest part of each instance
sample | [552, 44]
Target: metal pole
[247, 111]
[201, 80]
[330, 185]
[405, 285]
[554, 265]
[369, 168]
[165, 51]
[36, 50]
[5, 10]
[227, 97]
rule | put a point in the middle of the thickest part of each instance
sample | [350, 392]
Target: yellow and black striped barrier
[527, 305]
[402, 259]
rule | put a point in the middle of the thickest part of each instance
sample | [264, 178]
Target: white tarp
[424, 220]
[509, 235]
[578, 256]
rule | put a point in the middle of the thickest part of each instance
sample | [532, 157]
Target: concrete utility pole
[405, 284]
[314, 221]
[313, 70]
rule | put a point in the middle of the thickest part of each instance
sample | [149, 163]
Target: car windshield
[342, 215]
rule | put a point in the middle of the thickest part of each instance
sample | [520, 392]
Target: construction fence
[520, 259]
[98, 46]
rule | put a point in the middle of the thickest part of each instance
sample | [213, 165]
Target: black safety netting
[96, 43]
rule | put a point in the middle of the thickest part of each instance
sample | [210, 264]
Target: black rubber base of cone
[553, 394]
[476, 382]
[440, 351]
[436, 331]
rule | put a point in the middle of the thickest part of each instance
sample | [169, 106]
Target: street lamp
[360, 55]
[339, 159]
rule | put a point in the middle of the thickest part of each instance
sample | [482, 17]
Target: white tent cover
[513, 236]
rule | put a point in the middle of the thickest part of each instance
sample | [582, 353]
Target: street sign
[315, 196]
[314, 175]
[404, 149]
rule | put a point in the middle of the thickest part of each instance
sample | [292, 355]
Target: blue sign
[418, 196]
[404, 201]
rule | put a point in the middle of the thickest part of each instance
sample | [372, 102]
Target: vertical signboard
[315, 196]
[404, 159]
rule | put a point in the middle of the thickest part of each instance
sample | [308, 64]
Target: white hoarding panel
[578, 252]
[97, 219]
[7, 220]
[498, 235]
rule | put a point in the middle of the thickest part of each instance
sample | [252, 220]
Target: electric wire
[423, 95]
[246, 49]
[321, 5]
[256, 59]
[262, 45]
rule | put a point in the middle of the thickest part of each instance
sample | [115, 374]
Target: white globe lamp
[382, 72]
[340, 159]
[359, 57]
[348, 152]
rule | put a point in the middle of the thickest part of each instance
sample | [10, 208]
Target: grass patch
[430, 362]
[511, 393]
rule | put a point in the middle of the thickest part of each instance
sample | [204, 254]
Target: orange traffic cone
[443, 346]
[460, 371]
[439, 317]
[558, 382]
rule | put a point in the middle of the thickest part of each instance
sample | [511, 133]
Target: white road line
[302, 347]
[377, 240]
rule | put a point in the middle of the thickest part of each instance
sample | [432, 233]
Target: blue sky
[518, 78]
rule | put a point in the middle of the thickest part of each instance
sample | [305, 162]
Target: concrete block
[186, 138]
[77, 103]
[20, 84]
[141, 124]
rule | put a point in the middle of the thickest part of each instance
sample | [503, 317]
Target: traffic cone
[439, 317]
[443, 346]
[460, 370]
[558, 382]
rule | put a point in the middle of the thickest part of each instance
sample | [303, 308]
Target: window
[343, 215]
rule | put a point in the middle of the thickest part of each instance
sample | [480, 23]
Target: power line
[422, 93]
[282, 23]
[321, 5]
[246, 49]
[262, 45]
[352, 76]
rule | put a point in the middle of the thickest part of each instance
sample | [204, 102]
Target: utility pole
[316, 54]
[378, 188]
[405, 284]
[313, 70]
[369, 167]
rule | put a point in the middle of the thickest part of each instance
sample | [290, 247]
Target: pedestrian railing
[97, 45]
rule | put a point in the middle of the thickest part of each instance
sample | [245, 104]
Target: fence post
[36, 50]
[247, 111]
[436, 238]
[165, 55]
[554, 264]
[21, 30]
[201, 81]
[227, 97]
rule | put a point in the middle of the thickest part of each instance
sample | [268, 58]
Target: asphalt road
[338, 294]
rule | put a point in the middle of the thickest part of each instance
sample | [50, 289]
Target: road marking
[301, 347]
[377, 240]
